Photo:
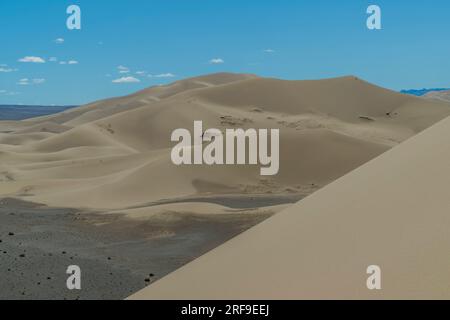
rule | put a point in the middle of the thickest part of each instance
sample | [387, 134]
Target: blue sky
[174, 39]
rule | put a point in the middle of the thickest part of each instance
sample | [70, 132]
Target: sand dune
[392, 212]
[102, 109]
[115, 154]
[439, 95]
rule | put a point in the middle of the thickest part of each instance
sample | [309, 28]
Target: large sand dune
[115, 153]
[392, 212]
[439, 95]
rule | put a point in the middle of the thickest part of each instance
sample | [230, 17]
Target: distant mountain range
[21, 112]
[422, 92]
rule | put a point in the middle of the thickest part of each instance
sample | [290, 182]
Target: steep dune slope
[392, 212]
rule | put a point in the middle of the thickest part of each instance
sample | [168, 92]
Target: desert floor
[118, 255]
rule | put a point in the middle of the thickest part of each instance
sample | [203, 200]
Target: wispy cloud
[8, 93]
[126, 80]
[32, 59]
[5, 68]
[38, 81]
[141, 73]
[53, 59]
[217, 61]
[269, 51]
[59, 41]
[163, 75]
[69, 62]
[123, 69]
[26, 81]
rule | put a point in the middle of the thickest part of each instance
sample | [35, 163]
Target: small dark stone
[147, 280]
[11, 234]
[151, 275]
[49, 278]
[64, 252]
[109, 258]
[22, 256]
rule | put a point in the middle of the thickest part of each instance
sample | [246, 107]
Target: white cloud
[269, 51]
[59, 41]
[126, 80]
[10, 93]
[4, 68]
[26, 81]
[141, 72]
[123, 69]
[32, 59]
[164, 75]
[216, 61]
[38, 81]
[53, 59]
[69, 62]
[23, 82]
